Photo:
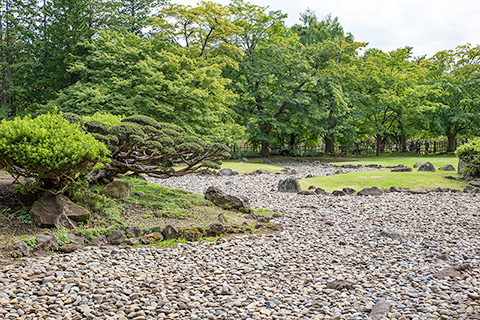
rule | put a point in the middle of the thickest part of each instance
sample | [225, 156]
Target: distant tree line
[229, 73]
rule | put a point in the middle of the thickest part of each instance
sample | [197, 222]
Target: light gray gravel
[390, 248]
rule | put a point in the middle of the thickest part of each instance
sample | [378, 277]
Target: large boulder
[58, 211]
[373, 191]
[289, 185]
[447, 167]
[461, 164]
[427, 167]
[117, 189]
[227, 201]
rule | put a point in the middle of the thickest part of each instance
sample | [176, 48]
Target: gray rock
[58, 211]
[244, 160]
[226, 201]
[475, 183]
[418, 164]
[117, 189]
[461, 164]
[401, 169]
[320, 191]
[447, 272]
[396, 189]
[391, 234]
[46, 242]
[379, 310]
[18, 249]
[134, 231]
[373, 191]
[98, 240]
[307, 193]
[312, 187]
[349, 190]
[447, 167]
[191, 234]
[69, 247]
[267, 161]
[215, 229]
[338, 193]
[427, 167]
[340, 284]
[227, 173]
[170, 232]
[471, 189]
[289, 185]
[116, 237]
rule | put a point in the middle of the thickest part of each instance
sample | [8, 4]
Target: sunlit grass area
[384, 179]
[409, 161]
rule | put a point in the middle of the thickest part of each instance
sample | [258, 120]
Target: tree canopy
[231, 73]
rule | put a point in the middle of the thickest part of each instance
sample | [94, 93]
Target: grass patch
[163, 201]
[384, 179]
[409, 161]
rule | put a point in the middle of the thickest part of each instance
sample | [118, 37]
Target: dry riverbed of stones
[392, 256]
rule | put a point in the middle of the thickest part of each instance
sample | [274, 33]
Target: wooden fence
[361, 148]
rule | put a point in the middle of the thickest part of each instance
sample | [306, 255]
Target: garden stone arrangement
[395, 255]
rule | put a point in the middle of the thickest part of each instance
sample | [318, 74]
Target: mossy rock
[117, 189]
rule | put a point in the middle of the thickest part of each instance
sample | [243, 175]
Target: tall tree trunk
[265, 153]
[451, 142]
[379, 144]
[291, 143]
[265, 144]
[403, 142]
[329, 144]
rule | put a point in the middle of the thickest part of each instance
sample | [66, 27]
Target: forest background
[231, 74]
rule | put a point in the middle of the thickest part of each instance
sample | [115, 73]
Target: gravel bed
[419, 253]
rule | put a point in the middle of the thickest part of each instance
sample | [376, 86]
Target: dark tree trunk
[379, 144]
[265, 149]
[451, 145]
[291, 143]
[403, 143]
[329, 144]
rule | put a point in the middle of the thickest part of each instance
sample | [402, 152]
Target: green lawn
[409, 161]
[385, 179]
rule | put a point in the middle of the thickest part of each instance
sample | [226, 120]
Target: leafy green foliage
[48, 149]
[470, 154]
[128, 75]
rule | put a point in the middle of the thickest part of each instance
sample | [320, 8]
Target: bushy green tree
[470, 154]
[48, 149]
[129, 75]
[454, 96]
[141, 145]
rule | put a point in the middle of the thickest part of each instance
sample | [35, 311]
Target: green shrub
[470, 154]
[106, 118]
[48, 149]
